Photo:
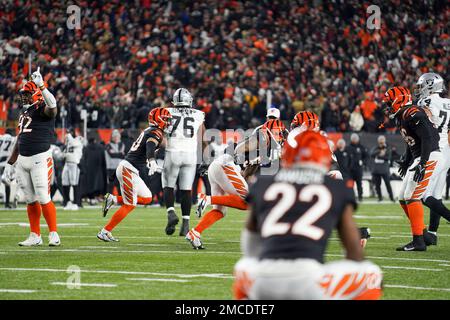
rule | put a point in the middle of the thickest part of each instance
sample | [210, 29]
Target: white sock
[187, 217]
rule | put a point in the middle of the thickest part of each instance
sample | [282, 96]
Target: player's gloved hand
[152, 167]
[403, 168]
[8, 174]
[419, 172]
[203, 169]
[36, 77]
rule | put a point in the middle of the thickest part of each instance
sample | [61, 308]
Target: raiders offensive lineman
[428, 90]
[133, 189]
[34, 161]
[292, 216]
[180, 161]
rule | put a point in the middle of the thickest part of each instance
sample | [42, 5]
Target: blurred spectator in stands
[358, 157]
[343, 158]
[330, 117]
[368, 108]
[381, 156]
[114, 153]
[356, 120]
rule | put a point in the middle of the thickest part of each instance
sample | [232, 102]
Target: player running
[133, 189]
[34, 166]
[420, 161]
[180, 161]
[293, 214]
[228, 184]
[429, 86]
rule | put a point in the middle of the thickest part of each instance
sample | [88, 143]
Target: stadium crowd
[128, 56]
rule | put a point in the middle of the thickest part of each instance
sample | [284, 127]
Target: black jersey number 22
[188, 128]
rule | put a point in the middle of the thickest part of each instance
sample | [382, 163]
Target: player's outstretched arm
[350, 236]
[14, 154]
[49, 99]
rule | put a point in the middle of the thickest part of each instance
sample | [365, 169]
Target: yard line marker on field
[410, 268]
[200, 275]
[157, 279]
[393, 258]
[27, 225]
[416, 288]
[98, 247]
[17, 291]
[106, 285]
[31, 250]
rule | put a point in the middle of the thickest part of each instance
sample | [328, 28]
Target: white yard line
[357, 216]
[27, 225]
[410, 268]
[416, 288]
[17, 291]
[157, 280]
[201, 275]
[106, 285]
[393, 258]
[188, 251]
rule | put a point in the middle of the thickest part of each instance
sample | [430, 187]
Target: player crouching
[133, 189]
[292, 216]
[34, 160]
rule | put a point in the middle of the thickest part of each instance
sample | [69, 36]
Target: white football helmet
[427, 84]
[182, 98]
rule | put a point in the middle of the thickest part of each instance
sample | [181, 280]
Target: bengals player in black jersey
[419, 166]
[33, 159]
[292, 216]
[133, 189]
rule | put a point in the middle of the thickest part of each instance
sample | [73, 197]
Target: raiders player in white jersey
[71, 172]
[6, 146]
[181, 157]
[428, 89]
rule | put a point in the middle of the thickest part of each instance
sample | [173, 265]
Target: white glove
[36, 77]
[152, 167]
[8, 174]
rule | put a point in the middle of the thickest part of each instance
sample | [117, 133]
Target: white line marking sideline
[410, 268]
[17, 291]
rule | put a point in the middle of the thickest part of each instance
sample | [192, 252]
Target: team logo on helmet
[395, 99]
[307, 119]
[160, 117]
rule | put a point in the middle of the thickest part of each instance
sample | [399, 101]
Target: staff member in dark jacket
[343, 158]
[358, 156]
[381, 155]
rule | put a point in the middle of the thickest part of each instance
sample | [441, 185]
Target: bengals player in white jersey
[34, 160]
[133, 189]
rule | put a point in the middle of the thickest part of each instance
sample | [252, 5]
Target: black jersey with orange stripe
[137, 155]
[418, 132]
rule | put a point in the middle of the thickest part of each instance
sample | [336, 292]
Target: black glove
[403, 167]
[203, 170]
[419, 172]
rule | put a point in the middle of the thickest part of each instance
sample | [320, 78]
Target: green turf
[146, 252]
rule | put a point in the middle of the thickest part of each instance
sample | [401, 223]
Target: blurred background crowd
[128, 57]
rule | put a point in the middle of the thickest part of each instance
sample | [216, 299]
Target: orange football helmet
[160, 117]
[307, 148]
[277, 129]
[395, 99]
[30, 94]
[306, 118]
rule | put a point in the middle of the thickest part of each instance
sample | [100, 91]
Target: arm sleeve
[49, 98]
[153, 142]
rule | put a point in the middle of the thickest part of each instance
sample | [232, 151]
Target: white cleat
[106, 236]
[32, 241]
[194, 238]
[53, 239]
[108, 202]
[202, 203]
[69, 206]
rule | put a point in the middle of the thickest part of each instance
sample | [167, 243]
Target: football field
[147, 264]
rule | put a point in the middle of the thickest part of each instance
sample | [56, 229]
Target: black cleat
[172, 221]
[429, 238]
[184, 230]
[418, 244]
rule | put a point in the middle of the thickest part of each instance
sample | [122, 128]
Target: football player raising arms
[33, 159]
